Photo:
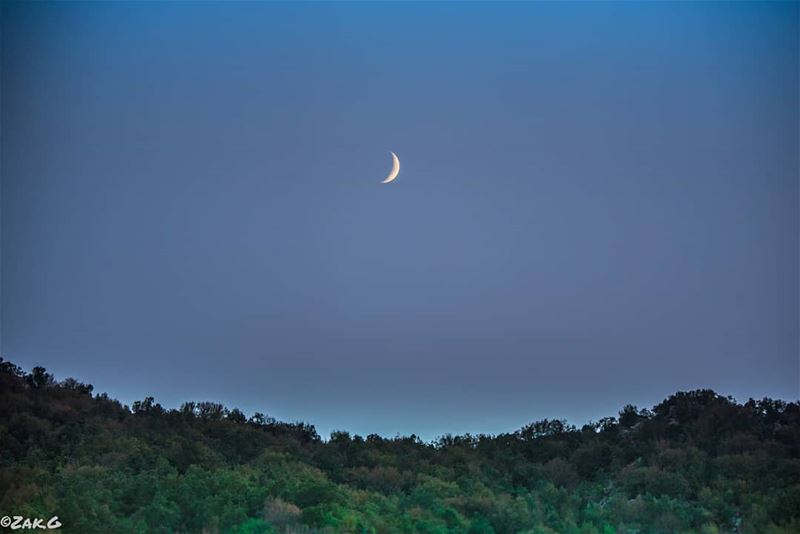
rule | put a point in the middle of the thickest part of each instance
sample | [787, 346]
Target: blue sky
[598, 204]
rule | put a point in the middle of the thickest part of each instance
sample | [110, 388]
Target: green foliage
[697, 463]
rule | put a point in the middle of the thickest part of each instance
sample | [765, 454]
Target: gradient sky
[598, 204]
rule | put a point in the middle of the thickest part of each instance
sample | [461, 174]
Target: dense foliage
[697, 462]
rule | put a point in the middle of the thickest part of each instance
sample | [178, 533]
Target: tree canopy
[697, 462]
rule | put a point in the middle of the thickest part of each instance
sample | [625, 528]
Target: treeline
[697, 462]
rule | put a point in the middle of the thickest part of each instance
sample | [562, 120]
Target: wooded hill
[697, 462]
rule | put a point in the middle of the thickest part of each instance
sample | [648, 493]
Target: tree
[40, 378]
[147, 406]
[237, 416]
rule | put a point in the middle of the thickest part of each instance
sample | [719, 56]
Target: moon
[395, 169]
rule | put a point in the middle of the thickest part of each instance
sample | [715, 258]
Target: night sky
[597, 205]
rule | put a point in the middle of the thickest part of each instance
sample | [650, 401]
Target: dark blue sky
[598, 204]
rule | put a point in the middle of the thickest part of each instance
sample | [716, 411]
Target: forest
[698, 462]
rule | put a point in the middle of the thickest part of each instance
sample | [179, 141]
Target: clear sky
[597, 204]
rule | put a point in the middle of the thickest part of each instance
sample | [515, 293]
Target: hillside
[696, 462]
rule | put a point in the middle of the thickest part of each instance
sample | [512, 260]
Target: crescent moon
[395, 169]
